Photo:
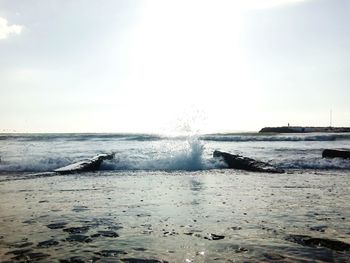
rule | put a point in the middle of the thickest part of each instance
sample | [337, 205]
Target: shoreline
[175, 217]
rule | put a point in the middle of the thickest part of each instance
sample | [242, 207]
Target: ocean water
[166, 199]
[34, 153]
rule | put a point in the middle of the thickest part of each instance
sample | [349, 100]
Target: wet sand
[209, 216]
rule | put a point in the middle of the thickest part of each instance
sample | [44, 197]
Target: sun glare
[181, 57]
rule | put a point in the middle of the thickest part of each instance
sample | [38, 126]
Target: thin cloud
[6, 30]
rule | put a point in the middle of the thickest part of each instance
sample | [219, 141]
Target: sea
[167, 199]
[36, 153]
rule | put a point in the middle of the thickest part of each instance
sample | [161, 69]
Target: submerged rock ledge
[245, 163]
[329, 153]
[92, 164]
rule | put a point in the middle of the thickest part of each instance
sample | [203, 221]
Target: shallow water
[198, 216]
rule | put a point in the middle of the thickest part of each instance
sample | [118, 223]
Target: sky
[173, 66]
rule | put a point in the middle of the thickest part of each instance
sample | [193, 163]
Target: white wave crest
[189, 158]
[168, 155]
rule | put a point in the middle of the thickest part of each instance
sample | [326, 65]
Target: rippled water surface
[199, 216]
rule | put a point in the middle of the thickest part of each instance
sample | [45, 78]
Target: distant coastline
[303, 129]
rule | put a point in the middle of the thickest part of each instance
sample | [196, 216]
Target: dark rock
[48, 243]
[73, 260]
[143, 215]
[329, 153]
[80, 208]
[241, 250]
[92, 164]
[96, 222]
[108, 233]
[169, 233]
[319, 242]
[319, 228]
[57, 225]
[37, 256]
[79, 238]
[29, 221]
[115, 227]
[30, 257]
[76, 230]
[245, 163]
[20, 251]
[111, 253]
[94, 259]
[214, 237]
[142, 260]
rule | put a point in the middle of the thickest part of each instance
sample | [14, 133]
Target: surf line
[232, 162]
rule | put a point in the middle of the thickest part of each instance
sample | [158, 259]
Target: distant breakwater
[302, 129]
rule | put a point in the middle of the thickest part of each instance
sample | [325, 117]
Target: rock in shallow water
[214, 237]
[20, 251]
[142, 260]
[48, 243]
[31, 257]
[329, 153]
[92, 164]
[244, 163]
[76, 230]
[73, 260]
[80, 208]
[241, 250]
[57, 225]
[79, 238]
[111, 253]
[319, 242]
[320, 228]
[106, 234]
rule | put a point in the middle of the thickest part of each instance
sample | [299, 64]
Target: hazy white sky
[169, 66]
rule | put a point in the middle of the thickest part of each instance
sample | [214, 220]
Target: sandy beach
[203, 216]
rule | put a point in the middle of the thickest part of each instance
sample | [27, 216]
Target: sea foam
[188, 157]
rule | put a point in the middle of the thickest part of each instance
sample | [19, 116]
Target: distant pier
[302, 129]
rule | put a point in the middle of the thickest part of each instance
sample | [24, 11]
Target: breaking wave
[188, 157]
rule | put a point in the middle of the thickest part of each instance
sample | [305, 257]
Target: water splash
[175, 156]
